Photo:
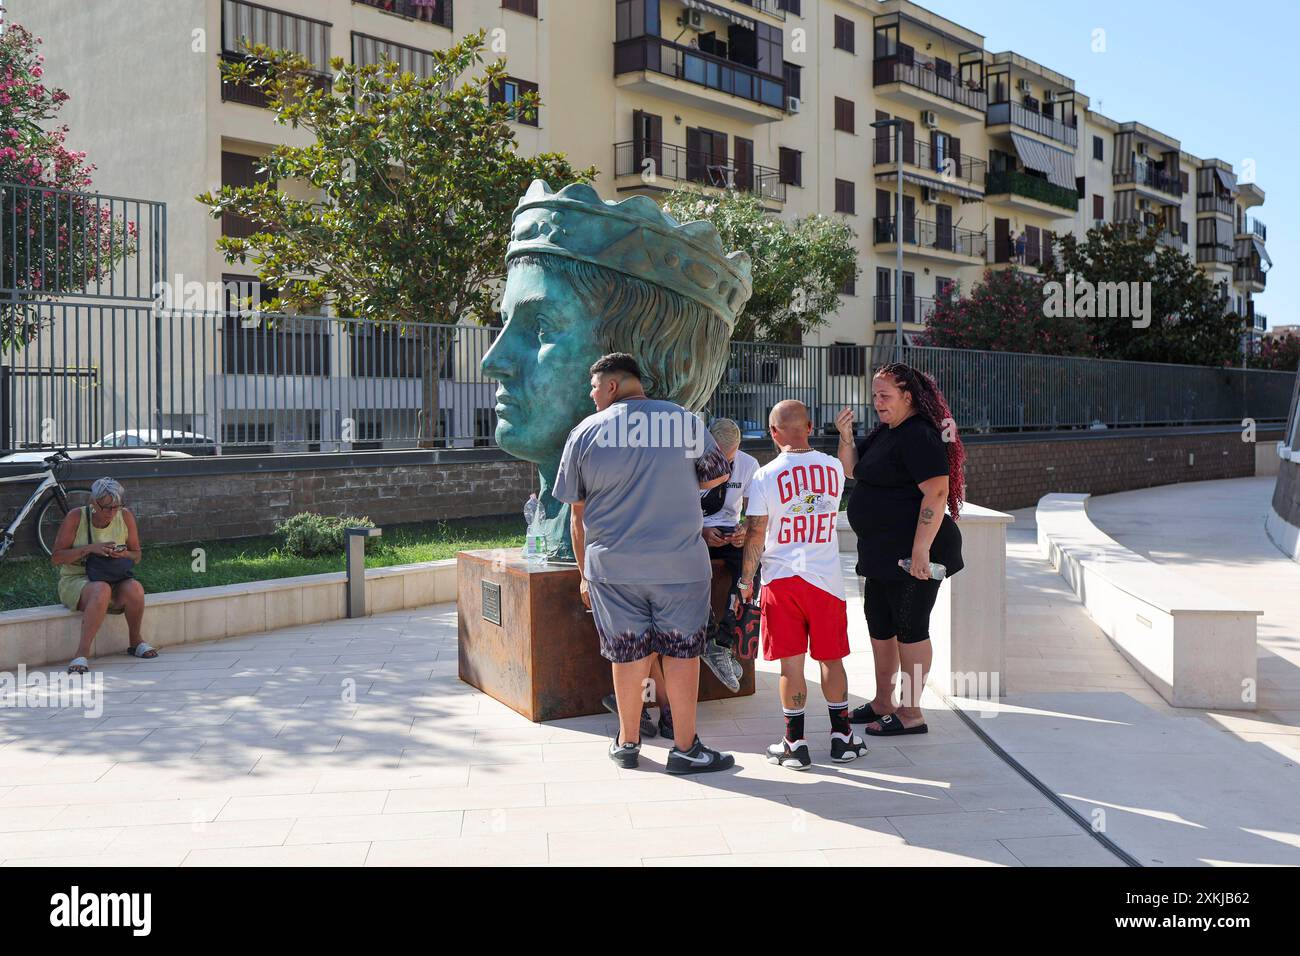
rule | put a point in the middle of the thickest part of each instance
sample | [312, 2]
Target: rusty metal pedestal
[525, 639]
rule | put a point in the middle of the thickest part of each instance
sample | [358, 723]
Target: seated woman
[109, 531]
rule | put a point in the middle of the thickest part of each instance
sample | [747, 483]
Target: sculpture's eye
[545, 327]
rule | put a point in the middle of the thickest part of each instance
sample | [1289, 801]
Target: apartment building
[777, 97]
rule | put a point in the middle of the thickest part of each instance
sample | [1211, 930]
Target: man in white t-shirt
[793, 502]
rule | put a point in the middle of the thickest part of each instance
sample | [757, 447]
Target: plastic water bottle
[535, 550]
[530, 509]
[937, 571]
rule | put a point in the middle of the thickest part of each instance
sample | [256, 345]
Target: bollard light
[356, 555]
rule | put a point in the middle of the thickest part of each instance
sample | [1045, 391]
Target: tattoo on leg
[799, 699]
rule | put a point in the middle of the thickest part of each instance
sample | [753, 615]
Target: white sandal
[78, 665]
[143, 650]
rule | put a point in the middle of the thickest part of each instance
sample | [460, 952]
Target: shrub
[308, 535]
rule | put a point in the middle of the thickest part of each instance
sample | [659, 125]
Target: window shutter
[909, 141]
[1031, 245]
[956, 153]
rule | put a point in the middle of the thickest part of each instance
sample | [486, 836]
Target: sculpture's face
[541, 361]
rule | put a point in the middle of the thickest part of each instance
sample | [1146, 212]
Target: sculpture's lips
[506, 401]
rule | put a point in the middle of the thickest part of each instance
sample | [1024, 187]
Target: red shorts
[798, 617]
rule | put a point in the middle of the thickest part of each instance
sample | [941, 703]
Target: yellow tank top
[115, 533]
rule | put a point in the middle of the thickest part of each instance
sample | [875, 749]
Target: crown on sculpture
[634, 237]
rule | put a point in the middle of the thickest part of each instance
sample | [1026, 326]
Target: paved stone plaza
[353, 743]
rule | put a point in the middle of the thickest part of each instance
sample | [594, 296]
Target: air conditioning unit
[1022, 85]
[693, 20]
[1049, 96]
[929, 119]
[793, 104]
[927, 196]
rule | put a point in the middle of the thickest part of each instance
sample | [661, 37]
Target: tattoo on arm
[754, 539]
[927, 514]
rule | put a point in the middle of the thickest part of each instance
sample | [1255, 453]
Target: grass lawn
[30, 582]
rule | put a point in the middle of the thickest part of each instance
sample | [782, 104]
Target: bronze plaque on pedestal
[543, 659]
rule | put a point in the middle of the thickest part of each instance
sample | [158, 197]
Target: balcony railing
[1213, 253]
[1150, 177]
[770, 7]
[690, 165]
[1253, 227]
[252, 95]
[1017, 114]
[924, 76]
[926, 234]
[429, 11]
[916, 309]
[672, 59]
[1243, 272]
[1215, 203]
[1260, 322]
[965, 169]
[1031, 187]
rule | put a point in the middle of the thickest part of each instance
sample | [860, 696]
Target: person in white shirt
[794, 501]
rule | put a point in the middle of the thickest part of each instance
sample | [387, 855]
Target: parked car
[189, 443]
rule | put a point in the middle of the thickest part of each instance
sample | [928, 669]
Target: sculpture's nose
[500, 363]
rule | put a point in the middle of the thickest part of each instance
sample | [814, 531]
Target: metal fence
[246, 382]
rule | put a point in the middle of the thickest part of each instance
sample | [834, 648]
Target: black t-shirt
[886, 502]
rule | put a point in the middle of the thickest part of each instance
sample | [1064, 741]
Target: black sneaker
[719, 660]
[699, 759]
[648, 729]
[666, 724]
[795, 756]
[845, 749]
[625, 755]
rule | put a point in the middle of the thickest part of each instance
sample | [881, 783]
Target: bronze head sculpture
[587, 276]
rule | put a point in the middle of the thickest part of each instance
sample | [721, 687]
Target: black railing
[1212, 202]
[1253, 227]
[431, 11]
[961, 168]
[1207, 252]
[1260, 321]
[1031, 187]
[770, 7]
[916, 309]
[1144, 175]
[704, 69]
[925, 234]
[925, 76]
[232, 92]
[1017, 114]
[1243, 272]
[652, 161]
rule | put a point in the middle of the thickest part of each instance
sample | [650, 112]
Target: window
[527, 7]
[850, 286]
[793, 80]
[791, 6]
[845, 358]
[1098, 148]
[843, 34]
[1184, 182]
[511, 90]
[791, 166]
[239, 170]
[635, 18]
[1098, 207]
[1081, 186]
[844, 115]
[1182, 230]
[844, 196]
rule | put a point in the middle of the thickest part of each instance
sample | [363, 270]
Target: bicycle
[54, 510]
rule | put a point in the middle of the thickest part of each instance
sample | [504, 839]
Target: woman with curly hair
[908, 473]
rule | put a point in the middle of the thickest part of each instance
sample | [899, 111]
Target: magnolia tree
[58, 238]
[416, 179]
[799, 266]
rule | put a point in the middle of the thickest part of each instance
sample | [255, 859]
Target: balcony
[771, 7]
[1259, 321]
[1013, 183]
[678, 164]
[964, 170]
[928, 239]
[1148, 177]
[1250, 276]
[916, 310]
[1215, 203]
[1253, 227]
[920, 83]
[653, 65]
[431, 11]
[1215, 254]
[1032, 120]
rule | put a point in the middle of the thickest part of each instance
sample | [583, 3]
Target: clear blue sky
[1219, 77]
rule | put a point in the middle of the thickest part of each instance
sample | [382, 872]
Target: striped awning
[1056, 164]
[717, 11]
[1228, 180]
[1259, 249]
[964, 193]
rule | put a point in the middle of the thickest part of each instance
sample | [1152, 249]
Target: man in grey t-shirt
[633, 472]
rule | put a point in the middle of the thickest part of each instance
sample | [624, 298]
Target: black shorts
[899, 608]
[732, 556]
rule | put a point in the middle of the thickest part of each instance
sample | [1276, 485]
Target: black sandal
[863, 714]
[891, 726]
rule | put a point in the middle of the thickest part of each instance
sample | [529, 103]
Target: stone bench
[1195, 647]
[48, 635]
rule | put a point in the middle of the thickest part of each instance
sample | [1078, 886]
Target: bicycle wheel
[53, 513]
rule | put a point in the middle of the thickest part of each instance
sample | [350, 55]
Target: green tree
[418, 178]
[1004, 313]
[1189, 320]
[799, 266]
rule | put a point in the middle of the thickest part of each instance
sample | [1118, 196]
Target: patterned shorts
[637, 620]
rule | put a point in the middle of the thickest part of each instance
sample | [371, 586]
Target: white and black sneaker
[699, 759]
[793, 755]
[847, 747]
[719, 660]
[626, 756]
